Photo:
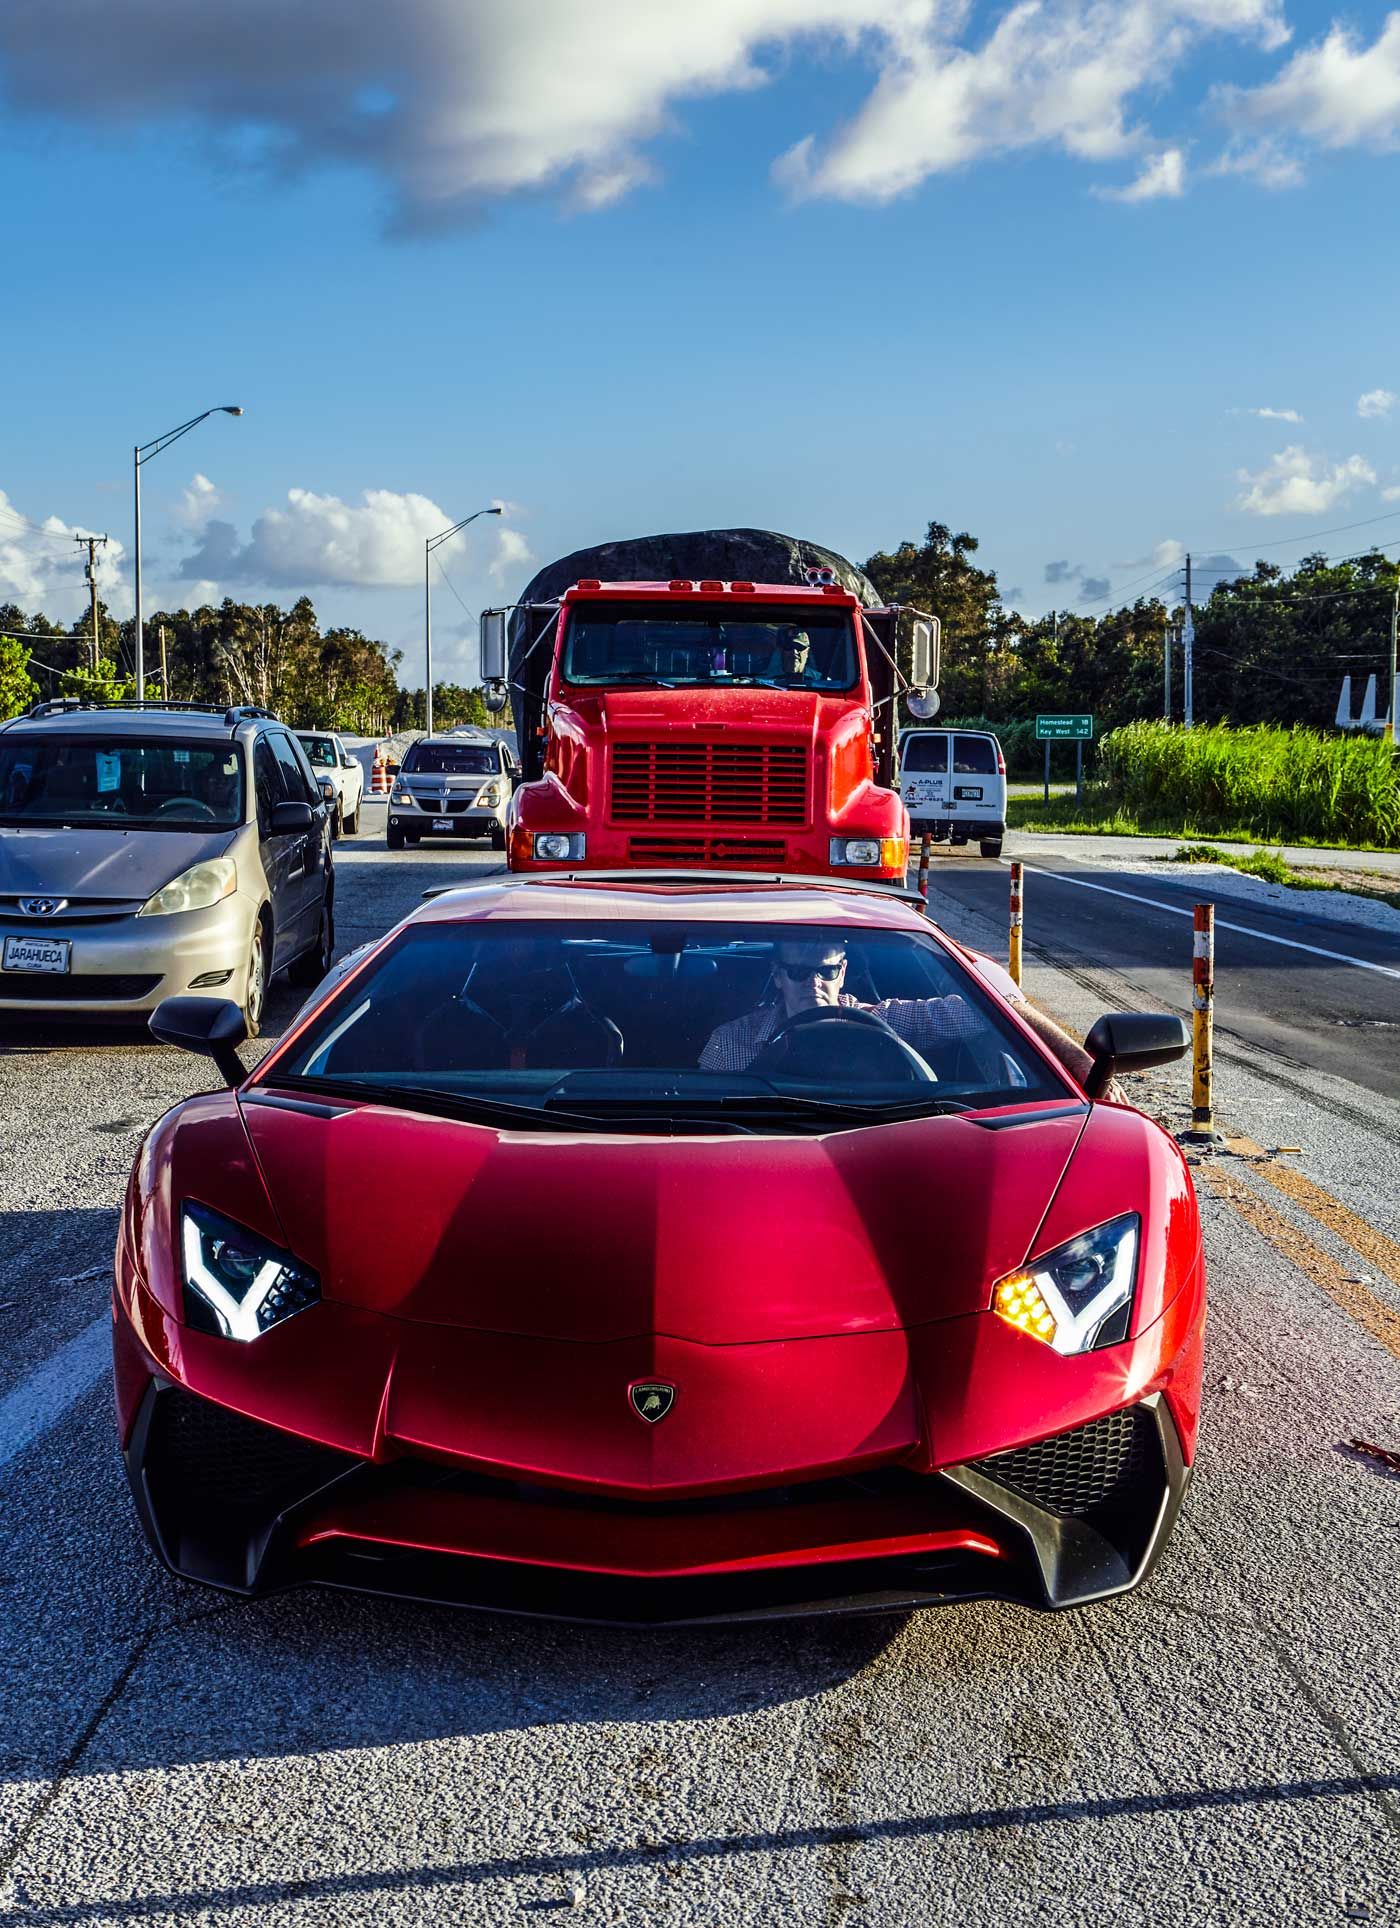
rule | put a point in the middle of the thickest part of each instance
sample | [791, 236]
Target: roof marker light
[589, 582]
[742, 588]
[712, 588]
[678, 584]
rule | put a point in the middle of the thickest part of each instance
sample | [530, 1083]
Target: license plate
[969, 792]
[37, 953]
[442, 823]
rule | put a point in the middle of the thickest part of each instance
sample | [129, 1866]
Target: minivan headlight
[488, 798]
[197, 888]
[237, 1284]
[1080, 1296]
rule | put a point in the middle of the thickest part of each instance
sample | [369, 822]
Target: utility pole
[164, 678]
[1188, 644]
[1167, 671]
[1394, 626]
[90, 571]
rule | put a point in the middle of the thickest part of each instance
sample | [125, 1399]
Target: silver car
[158, 848]
[457, 784]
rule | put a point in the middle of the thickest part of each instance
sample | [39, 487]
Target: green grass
[1104, 815]
[1272, 867]
[1278, 786]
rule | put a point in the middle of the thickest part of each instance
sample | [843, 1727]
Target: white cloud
[1272, 414]
[512, 553]
[198, 502]
[1390, 495]
[1336, 93]
[454, 105]
[1163, 177]
[1296, 483]
[41, 566]
[318, 539]
[1375, 403]
[1264, 161]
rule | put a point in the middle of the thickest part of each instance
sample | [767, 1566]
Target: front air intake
[721, 783]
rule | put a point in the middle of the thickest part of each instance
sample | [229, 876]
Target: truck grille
[740, 783]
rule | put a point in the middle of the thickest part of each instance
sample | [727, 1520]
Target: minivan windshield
[450, 760]
[120, 782]
[710, 644]
[668, 1025]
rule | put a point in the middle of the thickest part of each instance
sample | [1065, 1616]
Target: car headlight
[488, 798]
[400, 796]
[194, 889]
[236, 1284]
[867, 852]
[1080, 1296]
[555, 847]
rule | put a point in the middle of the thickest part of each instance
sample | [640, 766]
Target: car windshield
[450, 760]
[320, 751]
[750, 1024]
[120, 782]
[709, 644]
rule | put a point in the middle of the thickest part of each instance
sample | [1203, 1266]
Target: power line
[452, 586]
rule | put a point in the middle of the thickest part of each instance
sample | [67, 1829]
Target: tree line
[1271, 647]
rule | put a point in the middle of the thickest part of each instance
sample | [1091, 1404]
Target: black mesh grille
[739, 783]
[55, 986]
[219, 1456]
[1074, 1473]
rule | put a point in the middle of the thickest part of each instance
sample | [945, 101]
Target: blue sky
[1029, 275]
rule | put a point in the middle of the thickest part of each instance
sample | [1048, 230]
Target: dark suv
[148, 849]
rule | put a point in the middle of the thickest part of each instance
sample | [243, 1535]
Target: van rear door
[978, 780]
[924, 774]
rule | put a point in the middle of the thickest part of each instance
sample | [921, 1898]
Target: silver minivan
[954, 786]
[158, 848]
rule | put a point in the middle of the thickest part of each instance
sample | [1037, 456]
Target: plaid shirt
[920, 1021]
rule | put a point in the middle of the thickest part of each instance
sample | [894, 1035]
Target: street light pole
[142, 454]
[436, 542]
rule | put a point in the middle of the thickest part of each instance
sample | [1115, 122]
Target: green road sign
[1051, 727]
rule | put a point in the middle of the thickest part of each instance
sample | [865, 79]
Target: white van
[954, 785]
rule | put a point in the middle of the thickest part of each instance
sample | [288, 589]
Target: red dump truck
[708, 716]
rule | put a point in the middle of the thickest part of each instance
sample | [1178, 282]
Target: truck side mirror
[1131, 1041]
[212, 1026]
[493, 651]
[494, 697]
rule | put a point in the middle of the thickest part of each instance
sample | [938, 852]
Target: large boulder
[742, 555]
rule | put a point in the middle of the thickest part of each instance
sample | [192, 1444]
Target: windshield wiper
[445, 1104]
[727, 1108]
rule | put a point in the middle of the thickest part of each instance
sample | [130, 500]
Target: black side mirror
[1131, 1041]
[213, 1026]
[288, 819]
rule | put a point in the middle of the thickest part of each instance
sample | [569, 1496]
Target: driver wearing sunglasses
[807, 977]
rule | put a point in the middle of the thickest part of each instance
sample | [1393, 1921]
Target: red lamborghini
[643, 1249]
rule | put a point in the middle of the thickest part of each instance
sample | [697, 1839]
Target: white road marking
[52, 1388]
[1221, 924]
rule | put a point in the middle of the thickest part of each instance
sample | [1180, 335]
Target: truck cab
[713, 723]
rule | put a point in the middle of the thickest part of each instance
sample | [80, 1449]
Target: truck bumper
[803, 853]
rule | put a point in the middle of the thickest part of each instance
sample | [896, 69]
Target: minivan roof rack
[246, 713]
[57, 705]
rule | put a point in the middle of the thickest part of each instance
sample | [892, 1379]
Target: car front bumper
[241, 1505]
[125, 966]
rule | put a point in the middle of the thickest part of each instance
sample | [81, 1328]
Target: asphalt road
[1221, 1747]
[1278, 994]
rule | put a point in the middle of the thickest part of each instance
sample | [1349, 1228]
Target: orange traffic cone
[379, 773]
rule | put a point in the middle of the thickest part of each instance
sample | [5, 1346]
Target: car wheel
[394, 836]
[259, 971]
[991, 846]
[352, 823]
[312, 965]
[498, 836]
[337, 824]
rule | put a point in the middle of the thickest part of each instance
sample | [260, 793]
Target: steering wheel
[183, 805]
[797, 1048]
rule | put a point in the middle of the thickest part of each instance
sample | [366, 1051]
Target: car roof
[674, 898]
[115, 719]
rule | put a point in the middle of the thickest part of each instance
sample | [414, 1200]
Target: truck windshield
[121, 783]
[767, 1024]
[709, 644]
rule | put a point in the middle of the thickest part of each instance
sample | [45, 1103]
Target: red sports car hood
[721, 1241]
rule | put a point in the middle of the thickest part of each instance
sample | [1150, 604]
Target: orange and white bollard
[379, 773]
[1203, 1026]
[925, 846]
[1014, 946]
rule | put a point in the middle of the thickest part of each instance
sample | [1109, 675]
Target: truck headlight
[197, 888]
[1080, 1296]
[488, 798]
[555, 847]
[236, 1284]
[888, 853]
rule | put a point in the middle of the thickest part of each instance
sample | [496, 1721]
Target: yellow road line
[1359, 1303]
